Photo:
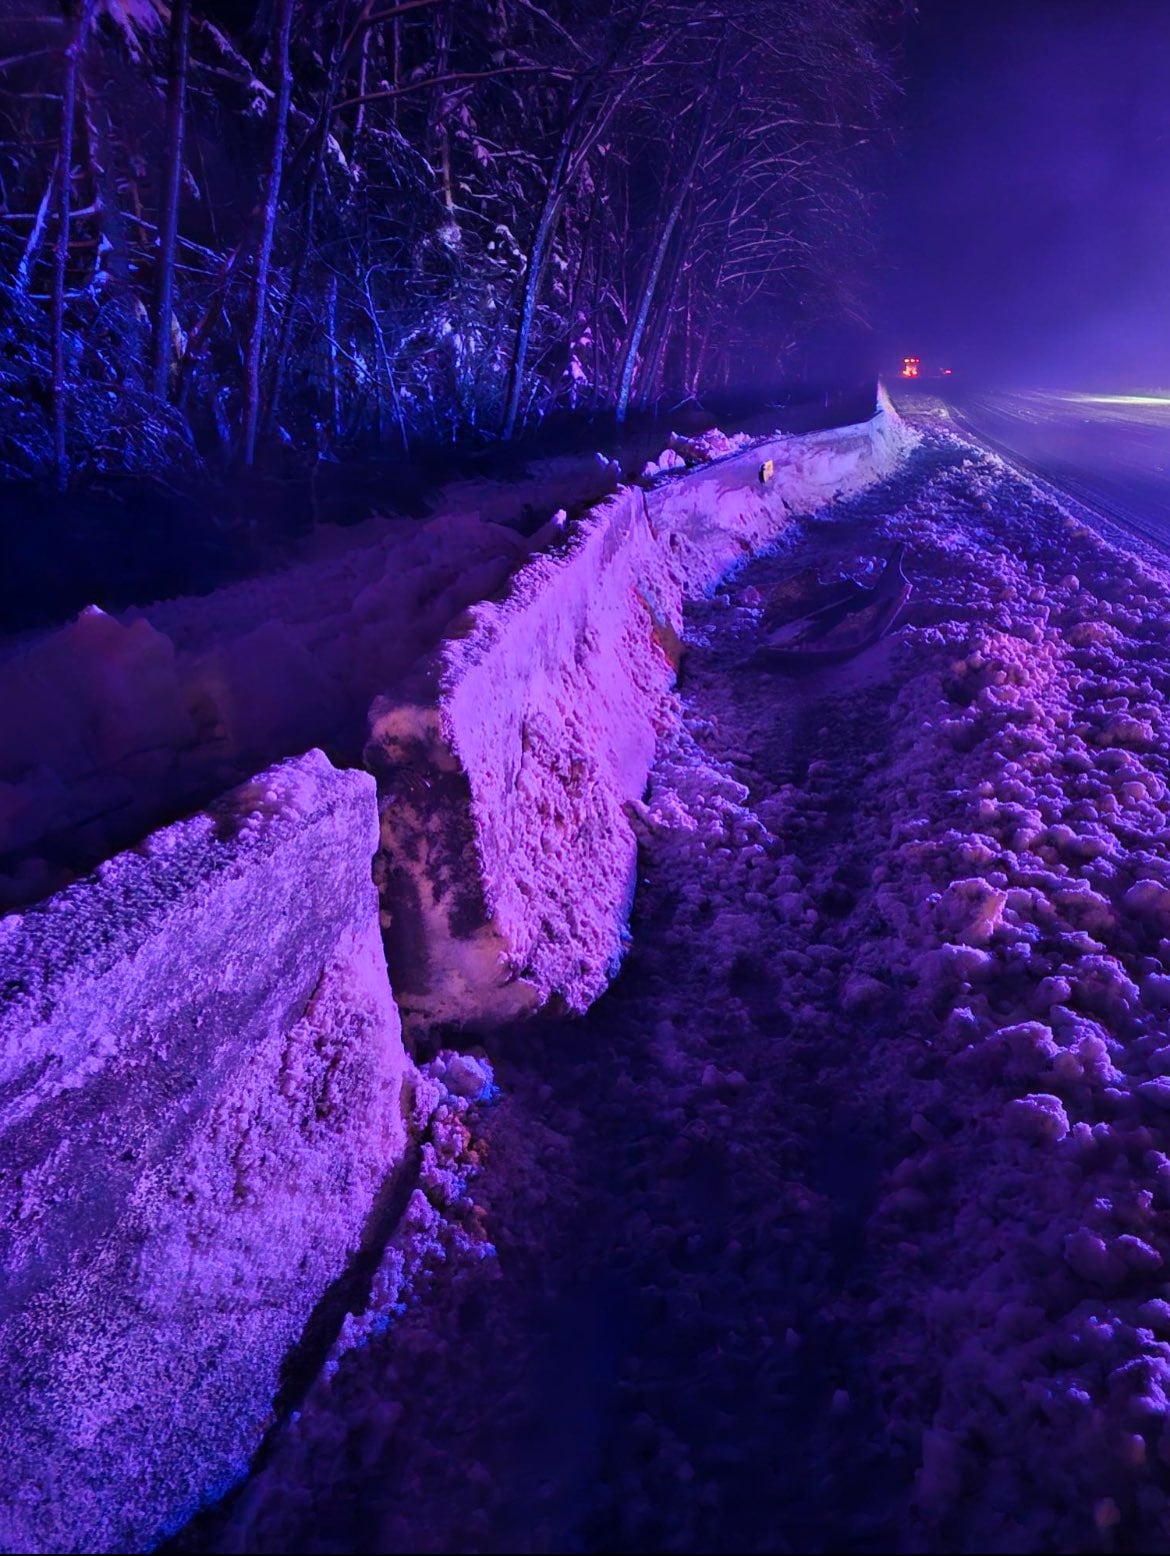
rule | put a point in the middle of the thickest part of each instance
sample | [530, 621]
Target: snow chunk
[862, 993]
[201, 1073]
[1156, 1091]
[971, 910]
[1088, 1255]
[1031, 1045]
[1149, 901]
[466, 1076]
[1040, 1116]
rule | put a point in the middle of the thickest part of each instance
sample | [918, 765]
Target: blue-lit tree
[230, 228]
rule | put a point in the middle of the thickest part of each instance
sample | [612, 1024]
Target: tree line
[230, 225]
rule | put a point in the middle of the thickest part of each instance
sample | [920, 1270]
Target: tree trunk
[650, 382]
[112, 259]
[697, 376]
[255, 350]
[555, 191]
[438, 135]
[27, 258]
[363, 70]
[569, 157]
[169, 224]
[336, 59]
[331, 336]
[650, 285]
[73, 52]
[688, 331]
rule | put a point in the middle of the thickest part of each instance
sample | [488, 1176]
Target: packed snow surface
[201, 1099]
[841, 1221]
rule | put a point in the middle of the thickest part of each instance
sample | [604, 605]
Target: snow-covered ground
[116, 724]
[841, 1221]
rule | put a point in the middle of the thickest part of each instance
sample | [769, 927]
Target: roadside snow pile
[113, 725]
[201, 1080]
[842, 1220]
[1026, 882]
[735, 506]
[507, 866]
[116, 724]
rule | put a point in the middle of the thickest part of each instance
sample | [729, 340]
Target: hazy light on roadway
[1120, 399]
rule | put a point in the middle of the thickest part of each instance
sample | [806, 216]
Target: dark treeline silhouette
[227, 226]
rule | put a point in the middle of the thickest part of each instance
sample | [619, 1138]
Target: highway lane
[1109, 453]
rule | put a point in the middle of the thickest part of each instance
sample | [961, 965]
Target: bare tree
[413, 220]
[592, 105]
[650, 284]
[169, 224]
[73, 54]
[252, 362]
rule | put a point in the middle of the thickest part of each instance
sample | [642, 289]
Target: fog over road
[1110, 452]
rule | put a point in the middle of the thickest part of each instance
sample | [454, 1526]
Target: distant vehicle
[912, 368]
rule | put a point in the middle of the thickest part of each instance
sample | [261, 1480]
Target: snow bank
[201, 1077]
[508, 857]
[717, 515]
[1026, 886]
[93, 716]
[508, 862]
[116, 725]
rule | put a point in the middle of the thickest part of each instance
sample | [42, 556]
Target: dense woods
[230, 226]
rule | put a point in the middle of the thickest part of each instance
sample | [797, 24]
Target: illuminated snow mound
[201, 1077]
[508, 775]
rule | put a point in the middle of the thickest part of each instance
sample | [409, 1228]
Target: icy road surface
[1110, 452]
[841, 1221]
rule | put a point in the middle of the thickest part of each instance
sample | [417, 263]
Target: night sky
[1028, 215]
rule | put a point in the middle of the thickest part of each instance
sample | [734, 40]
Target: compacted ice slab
[201, 1072]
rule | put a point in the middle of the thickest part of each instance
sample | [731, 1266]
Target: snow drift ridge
[201, 1072]
[507, 861]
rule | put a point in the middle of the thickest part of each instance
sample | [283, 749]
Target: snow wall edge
[507, 864]
[201, 1071]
